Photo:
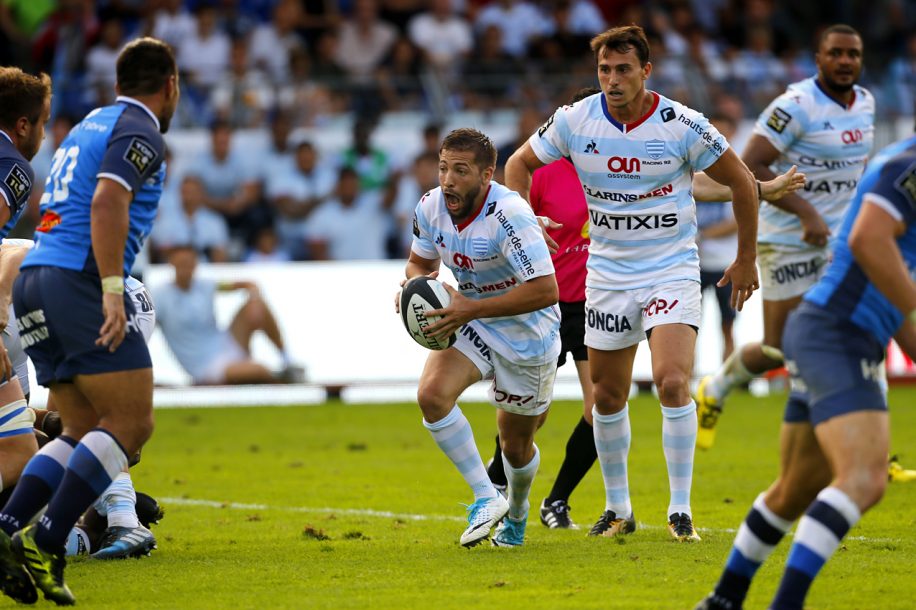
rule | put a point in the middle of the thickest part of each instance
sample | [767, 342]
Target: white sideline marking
[384, 514]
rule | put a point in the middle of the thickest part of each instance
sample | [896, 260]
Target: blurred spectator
[398, 77]
[272, 43]
[307, 100]
[244, 95]
[520, 22]
[370, 163]
[102, 60]
[172, 23]
[318, 18]
[204, 55]
[901, 81]
[583, 18]
[364, 41]
[529, 120]
[492, 75]
[230, 182]
[294, 192]
[444, 37]
[763, 74]
[352, 225]
[423, 177]
[192, 225]
[211, 355]
[432, 139]
[266, 248]
[399, 12]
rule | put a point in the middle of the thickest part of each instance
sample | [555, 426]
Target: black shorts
[59, 314]
[572, 332]
[723, 294]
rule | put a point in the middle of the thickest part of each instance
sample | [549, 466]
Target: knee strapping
[16, 418]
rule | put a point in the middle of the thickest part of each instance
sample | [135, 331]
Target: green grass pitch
[342, 506]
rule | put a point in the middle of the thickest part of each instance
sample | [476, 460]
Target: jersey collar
[628, 127]
[465, 224]
[852, 100]
[124, 99]
[7, 136]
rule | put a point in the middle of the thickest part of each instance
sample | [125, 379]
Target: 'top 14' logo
[623, 165]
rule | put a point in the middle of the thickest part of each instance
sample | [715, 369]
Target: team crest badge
[655, 148]
[479, 246]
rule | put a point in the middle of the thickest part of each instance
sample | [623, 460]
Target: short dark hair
[837, 28]
[583, 93]
[22, 95]
[145, 66]
[622, 39]
[467, 139]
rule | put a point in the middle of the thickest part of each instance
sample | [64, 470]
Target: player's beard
[467, 204]
[838, 87]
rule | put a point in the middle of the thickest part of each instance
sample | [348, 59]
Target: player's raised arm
[759, 155]
[707, 189]
[742, 273]
[520, 167]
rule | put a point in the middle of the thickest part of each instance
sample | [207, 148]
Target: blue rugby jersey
[16, 185]
[829, 142]
[889, 181]
[120, 142]
[497, 250]
[638, 183]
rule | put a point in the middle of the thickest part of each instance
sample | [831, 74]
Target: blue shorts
[59, 314]
[834, 366]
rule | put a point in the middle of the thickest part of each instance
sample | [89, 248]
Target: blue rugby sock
[95, 462]
[40, 478]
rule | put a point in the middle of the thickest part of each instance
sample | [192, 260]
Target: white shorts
[516, 388]
[786, 273]
[229, 353]
[143, 304]
[16, 353]
[616, 319]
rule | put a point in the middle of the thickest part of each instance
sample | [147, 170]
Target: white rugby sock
[119, 503]
[679, 439]
[612, 441]
[520, 480]
[455, 438]
[730, 375]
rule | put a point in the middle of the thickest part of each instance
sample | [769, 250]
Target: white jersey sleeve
[423, 245]
[551, 141]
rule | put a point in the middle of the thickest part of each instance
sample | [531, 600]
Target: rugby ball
[418, 296]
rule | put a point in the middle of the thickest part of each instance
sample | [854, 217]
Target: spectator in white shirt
[350, 226]
[444, 37]
[204, 55]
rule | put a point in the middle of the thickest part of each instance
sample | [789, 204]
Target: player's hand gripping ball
[418, 296]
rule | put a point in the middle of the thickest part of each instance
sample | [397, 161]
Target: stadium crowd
[284, 66]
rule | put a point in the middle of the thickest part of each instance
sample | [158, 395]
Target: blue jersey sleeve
[897, 186]
[17, 183]
[135, 153]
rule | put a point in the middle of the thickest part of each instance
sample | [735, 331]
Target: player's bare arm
[873, 242]
[519, 168]
[758, 156]
[416, 266]
[110, 221]
[707, 189]
[742, 273]
[534, 294]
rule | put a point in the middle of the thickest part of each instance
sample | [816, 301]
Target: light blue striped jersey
[637, 180]
[497, 250]
[829, 142]
[845, 290]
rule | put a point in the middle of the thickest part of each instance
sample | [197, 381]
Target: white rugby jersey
[489, 255]
[828, 141]
[638, 182]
